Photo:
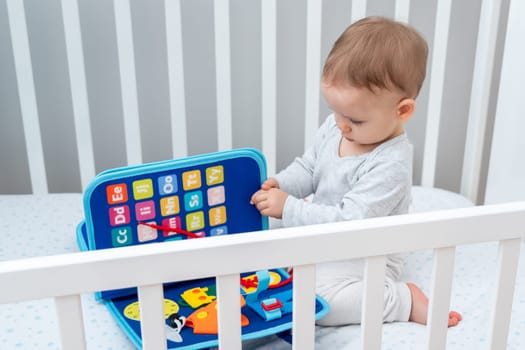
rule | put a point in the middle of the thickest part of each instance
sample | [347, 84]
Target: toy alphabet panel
[206, 195]
[188, 198]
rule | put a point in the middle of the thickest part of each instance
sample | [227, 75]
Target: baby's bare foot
[454, 318]
[419, 310]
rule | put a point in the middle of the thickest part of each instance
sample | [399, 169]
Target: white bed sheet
[45, 225]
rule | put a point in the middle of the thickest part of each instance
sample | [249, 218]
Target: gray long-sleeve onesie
[368, 185]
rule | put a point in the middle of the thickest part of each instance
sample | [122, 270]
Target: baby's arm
[296, 179]
[380, 191]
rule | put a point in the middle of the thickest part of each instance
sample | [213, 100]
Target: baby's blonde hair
[377, 52]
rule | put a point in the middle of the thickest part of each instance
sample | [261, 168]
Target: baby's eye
[356, 122]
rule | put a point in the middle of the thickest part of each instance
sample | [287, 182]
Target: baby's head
[371, 79]
[378, 53]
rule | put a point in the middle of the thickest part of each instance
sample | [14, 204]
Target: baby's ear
[405, 109]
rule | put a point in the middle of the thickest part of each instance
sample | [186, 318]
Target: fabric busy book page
[189, 198]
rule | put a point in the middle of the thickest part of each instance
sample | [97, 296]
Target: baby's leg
[345, 301]
[345, 304]
[419, 311]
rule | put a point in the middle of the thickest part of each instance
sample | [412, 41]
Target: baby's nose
[344, 125]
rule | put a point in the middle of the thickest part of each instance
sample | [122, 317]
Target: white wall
[506, 180]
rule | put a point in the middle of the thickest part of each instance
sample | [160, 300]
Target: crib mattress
[37, 225]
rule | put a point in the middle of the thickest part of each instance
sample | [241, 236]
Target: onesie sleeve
[383, 190]
[297, 178]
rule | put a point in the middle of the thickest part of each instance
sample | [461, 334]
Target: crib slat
[177, 95]
[223, 73]
[26, 93]
[508, 258]
[313, 65]
[373, 302]
[358, 10]
[229, 312]
[79, 96]
[437, 321]
[437, 78]
[303, 307]
[402, 10]
[152, 325]
[268, 79]
[70, 322]
[480, 97]
[128, 81]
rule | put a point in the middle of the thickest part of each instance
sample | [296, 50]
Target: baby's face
[364, 117]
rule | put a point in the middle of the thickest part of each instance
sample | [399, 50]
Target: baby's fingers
[270, 183]
[256, 197]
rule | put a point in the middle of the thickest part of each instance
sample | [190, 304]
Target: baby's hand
[270, 202]
[266, 185]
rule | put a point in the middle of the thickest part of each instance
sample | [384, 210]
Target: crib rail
[273, 111]
[371, 238]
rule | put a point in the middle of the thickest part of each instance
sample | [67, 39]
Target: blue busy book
[188, 198]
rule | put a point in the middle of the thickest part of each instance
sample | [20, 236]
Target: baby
[360, 165]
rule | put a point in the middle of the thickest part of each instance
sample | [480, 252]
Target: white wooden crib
[95, 85]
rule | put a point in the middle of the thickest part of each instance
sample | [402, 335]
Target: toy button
[271, 309]
[271, 304]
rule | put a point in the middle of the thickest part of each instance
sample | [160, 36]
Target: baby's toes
[454, 318]
[455, 314]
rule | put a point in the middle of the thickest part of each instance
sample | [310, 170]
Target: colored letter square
[117, 193]
[193, 200]
[121, 236]
[191, 180]
[216, 195]
[142, 189]
[169, 205]
[167, 184]
[119, 215]
[214, 175]
[195, 221]
[147, 233]
[219, 231]
[217, 215]
[173, 222]
[145, 210]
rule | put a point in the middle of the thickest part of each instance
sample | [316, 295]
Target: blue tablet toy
[188, 198]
